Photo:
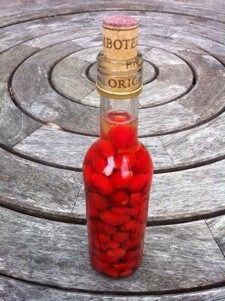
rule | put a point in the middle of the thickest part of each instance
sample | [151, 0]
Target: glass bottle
[117, 172]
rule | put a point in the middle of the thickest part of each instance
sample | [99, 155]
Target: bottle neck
[119, 120]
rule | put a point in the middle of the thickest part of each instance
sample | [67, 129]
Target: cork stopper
[119, 64]
[120, 37]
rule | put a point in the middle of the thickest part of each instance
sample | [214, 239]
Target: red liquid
[117, 175]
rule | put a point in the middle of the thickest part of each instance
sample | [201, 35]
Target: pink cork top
[120, 21]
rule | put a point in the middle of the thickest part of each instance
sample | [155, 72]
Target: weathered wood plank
[33, 69]
[164, 119]
[37, 189]
[12, 57]
[174, 22]
[19, 33]
[15, 55]
[176, 256]
[198, 145]
[174, 79]
[16, 290]
[56, 147]
[66, 149]
[183, 24]
[88, 40]
[160, 157]
[41, 101]
[163, 43]
[212, 30]
[198, 100]
[172, 117]
[211, 46]
[33, 92]
[14, 124]
[9, 59]
[91, 99]
[207, 98]
[174, 197]
[69, 74]
[34, 12]
[214, 10]
[189, 193]
[156, 30]
[217, 226]
[88, 54]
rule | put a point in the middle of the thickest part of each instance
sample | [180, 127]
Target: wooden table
[48, 118]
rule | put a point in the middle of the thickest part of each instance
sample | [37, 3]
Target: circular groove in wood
[197, 147]
[169, 144]
[22, 199]
[69, 73]
[190, 118]
[53, 246]
[162, 170]
[32, 289]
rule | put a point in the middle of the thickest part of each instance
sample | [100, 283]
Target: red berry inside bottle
[117, 176]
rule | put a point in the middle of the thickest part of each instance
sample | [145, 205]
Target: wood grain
[171, 117]
[180, 195]
[65, 149]
[56, 147]
[22, 32]
[217, 227]
[200, 144]
[43, 102]
[176, 256]
[16, 290]
[37, 189]
[207, 98]
[69, 75]
[174, 79]
[211, 45]
[46, 257]
[164, 119]
[14, 124]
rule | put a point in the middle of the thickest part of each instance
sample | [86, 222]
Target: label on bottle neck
[120, 44]
[120, 78]
[124, 83]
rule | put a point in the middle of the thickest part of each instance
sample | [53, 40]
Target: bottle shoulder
[102, 155]
[145, 149]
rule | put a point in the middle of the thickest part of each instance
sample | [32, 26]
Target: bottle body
[118, 172]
